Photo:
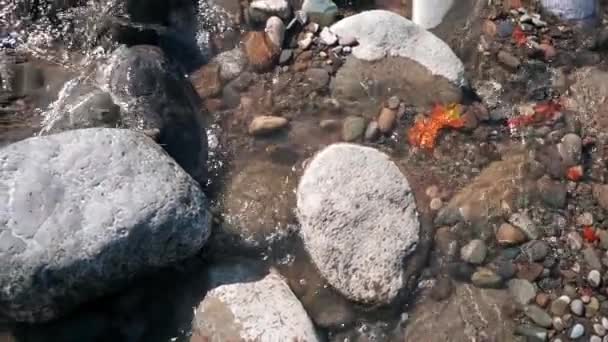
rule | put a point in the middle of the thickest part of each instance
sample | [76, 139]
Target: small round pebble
[542, 300]
[595, 338]
[585, 219]
[393, 102]
[474, 252]
[575, 241]
[594, 278]
[577, 307]
[436, 204]
[509, 235]
[577, 331]
[432, 191]
[605, 323]
[558, 324]
[599, 329]
[559, 306]
[592, 308]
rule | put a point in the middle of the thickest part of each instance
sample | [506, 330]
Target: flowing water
[57, 45]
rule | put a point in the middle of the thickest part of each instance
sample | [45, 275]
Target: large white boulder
[358, 221]
[245, 305]
[382, 33]
[86, 211]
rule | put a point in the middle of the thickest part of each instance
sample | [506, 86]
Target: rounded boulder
[85, 212]
[358, 221]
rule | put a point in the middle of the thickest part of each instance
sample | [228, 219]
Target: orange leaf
[575, 173]
[424, 133]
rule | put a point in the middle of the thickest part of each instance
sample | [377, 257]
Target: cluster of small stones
[550, 257]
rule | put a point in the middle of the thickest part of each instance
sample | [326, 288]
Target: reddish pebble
[542, 300]
[548, 50]
[489, 28]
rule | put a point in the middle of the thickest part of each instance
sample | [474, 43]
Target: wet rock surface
[491, 193]
[391, 76]
[145, 93]
[470, 313]
[109, 205]
[259, 204]
[243, 305]
[397, 36]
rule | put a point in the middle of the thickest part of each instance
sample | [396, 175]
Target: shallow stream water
[163, 303]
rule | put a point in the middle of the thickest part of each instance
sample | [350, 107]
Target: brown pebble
[470, 121]
[446, 242]
[442, 290]
[207, 81]
[509, 60]
[303, 61]
[266, 124]
[329, 124]
[489, 28]
[542, 300]
[214, 105]
[386, 120]
[548, 51]
[480, 111]
[436, 204]
[261, 52]
[530, 272]
[508, 235]
[432, 191]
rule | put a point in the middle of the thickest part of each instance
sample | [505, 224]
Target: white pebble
[599, 329]
[577, 331]
[595, 339]
[306, 42]
[594, 278]
[558, 324]
[328, 37]
[313, 27]
[577, 307]
[605, 323]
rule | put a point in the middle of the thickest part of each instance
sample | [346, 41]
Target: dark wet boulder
[155, 95]
[84, 213]
[157, 11]
[152, 95]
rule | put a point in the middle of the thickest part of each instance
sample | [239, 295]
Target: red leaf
[547, 110]
[519, 36]
[575, 173]
[589, 234]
